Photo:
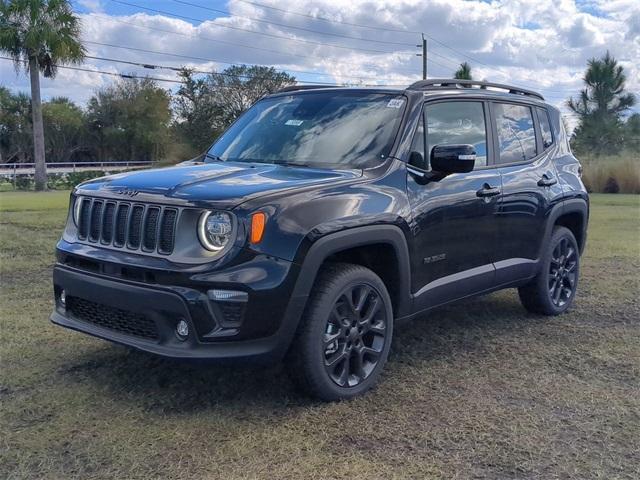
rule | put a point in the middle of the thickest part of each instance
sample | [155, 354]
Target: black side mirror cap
[453, 158]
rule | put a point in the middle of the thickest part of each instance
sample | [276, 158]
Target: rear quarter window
[545, 127]
[516, 133]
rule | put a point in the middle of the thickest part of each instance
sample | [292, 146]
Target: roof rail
[437, 83]
[292, 88]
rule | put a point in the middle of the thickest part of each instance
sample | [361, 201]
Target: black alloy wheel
[354, 337]
[553, 289]
[345, 334]
[562, 272]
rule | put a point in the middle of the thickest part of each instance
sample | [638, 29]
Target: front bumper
[145, 316]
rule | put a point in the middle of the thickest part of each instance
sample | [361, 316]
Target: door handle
[488, 191]
[547, 181]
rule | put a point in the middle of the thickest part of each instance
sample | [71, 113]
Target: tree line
[135, 119]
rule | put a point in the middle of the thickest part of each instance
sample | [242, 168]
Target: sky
[536, 44]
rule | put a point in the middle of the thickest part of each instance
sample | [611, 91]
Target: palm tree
[464, 72]
[39, 35]
[600, 106]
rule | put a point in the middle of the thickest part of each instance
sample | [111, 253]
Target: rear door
[455, 222]
[524, 149]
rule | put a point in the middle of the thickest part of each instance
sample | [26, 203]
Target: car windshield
[334, 129]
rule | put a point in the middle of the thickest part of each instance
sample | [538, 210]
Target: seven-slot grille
[150, 228]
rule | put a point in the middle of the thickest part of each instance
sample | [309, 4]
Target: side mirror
[453, 158]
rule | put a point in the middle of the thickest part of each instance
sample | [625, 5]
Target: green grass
[480, 389]
[45, 201]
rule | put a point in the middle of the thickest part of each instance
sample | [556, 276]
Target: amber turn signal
[258, 221]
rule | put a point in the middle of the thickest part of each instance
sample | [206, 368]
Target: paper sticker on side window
[295, 123]
[395, 103]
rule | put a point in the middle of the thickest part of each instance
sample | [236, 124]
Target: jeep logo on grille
[128, 192]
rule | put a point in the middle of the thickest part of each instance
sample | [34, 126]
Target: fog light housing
[182, 330]
[63, 299]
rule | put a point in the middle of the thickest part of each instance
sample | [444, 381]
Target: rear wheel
[345, 334]
[552, 291]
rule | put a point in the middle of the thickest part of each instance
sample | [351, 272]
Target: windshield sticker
[395, 103]
[295, 123]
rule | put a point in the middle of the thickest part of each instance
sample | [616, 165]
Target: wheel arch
[574, 215]
[363, 246]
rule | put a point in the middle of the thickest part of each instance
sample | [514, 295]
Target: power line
[431, 52]
[411, 72]
[338, 46]
[279, 52]
[215, 40]
[415, 32]
[102, 72]
[272, 35]
[331, 34]
[205, 59]
[159, 79]
[201, 37]
[454, 62]
[208, 72]
[193, 57]
[152, 66]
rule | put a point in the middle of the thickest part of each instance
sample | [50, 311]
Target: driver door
[455, 218]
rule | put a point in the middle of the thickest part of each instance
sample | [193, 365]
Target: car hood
[221, 184]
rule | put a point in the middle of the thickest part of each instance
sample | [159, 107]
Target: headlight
[215, 230]
[77, 204]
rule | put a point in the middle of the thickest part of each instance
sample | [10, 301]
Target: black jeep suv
[320, 217]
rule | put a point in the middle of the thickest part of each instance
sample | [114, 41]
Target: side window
[450, 123]
[545, 127]
[516, 135]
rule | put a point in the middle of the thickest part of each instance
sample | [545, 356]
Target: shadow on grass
[170, 386]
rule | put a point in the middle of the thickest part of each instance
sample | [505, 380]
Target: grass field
[480, 389]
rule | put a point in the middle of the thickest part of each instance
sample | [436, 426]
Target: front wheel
[552, 291]
[344, 337]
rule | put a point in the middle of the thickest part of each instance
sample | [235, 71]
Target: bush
[611, 186]
[74, 178]
[6, 184]
[57, 181]
[24, 182]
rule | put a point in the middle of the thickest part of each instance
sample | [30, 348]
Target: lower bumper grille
[112, 318]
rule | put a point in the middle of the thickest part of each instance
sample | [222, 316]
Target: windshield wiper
[215, 158]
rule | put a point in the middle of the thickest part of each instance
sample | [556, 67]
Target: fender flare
[573, 205]
[326, 246]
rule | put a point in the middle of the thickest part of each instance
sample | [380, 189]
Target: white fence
[13, 170]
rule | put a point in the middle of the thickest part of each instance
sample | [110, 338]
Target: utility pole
[424, 57]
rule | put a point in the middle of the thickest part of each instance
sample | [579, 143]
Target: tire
[552, 291]
[344, 336]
